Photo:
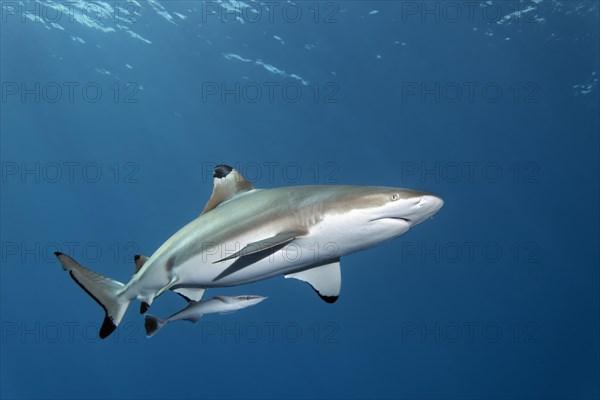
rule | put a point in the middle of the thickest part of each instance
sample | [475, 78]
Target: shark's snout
[431, 202]
[420, 207]
[425, 207]
[250, 300]
[411, 207]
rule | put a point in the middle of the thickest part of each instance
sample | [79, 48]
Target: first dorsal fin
[139, 262]
[227, 183]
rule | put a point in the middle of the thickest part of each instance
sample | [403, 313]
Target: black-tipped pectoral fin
[256, 251]
[325, 279]
[265, 244]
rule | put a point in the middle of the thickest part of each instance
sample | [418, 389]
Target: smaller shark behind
[196, 309]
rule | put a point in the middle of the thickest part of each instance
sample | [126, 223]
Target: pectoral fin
[326, 279]
[194, 318]
[257, 251]
[261, 245]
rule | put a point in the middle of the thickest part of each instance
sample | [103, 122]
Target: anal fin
[190, 294]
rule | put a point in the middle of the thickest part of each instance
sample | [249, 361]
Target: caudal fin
[153, 325]
[102, 289]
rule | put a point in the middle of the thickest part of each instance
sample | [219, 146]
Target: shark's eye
[394, 196]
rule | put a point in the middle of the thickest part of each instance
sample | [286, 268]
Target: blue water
[493, 106]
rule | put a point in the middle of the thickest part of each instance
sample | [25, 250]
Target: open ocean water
[113, 115]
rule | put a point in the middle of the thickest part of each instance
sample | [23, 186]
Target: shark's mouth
[396, 218]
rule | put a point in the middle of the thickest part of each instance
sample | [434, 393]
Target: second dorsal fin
[228, 182]
[139, 262]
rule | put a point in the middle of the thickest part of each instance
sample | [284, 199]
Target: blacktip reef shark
[197, 309]
[246, 234]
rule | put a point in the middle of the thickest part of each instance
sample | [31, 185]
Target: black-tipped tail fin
[107, 327]
[102, 289]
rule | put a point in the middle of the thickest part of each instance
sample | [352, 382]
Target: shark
[195, 310]
[246, 234]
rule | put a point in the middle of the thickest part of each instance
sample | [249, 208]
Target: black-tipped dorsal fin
[227, 183]
[325, 279]
[139, 262]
